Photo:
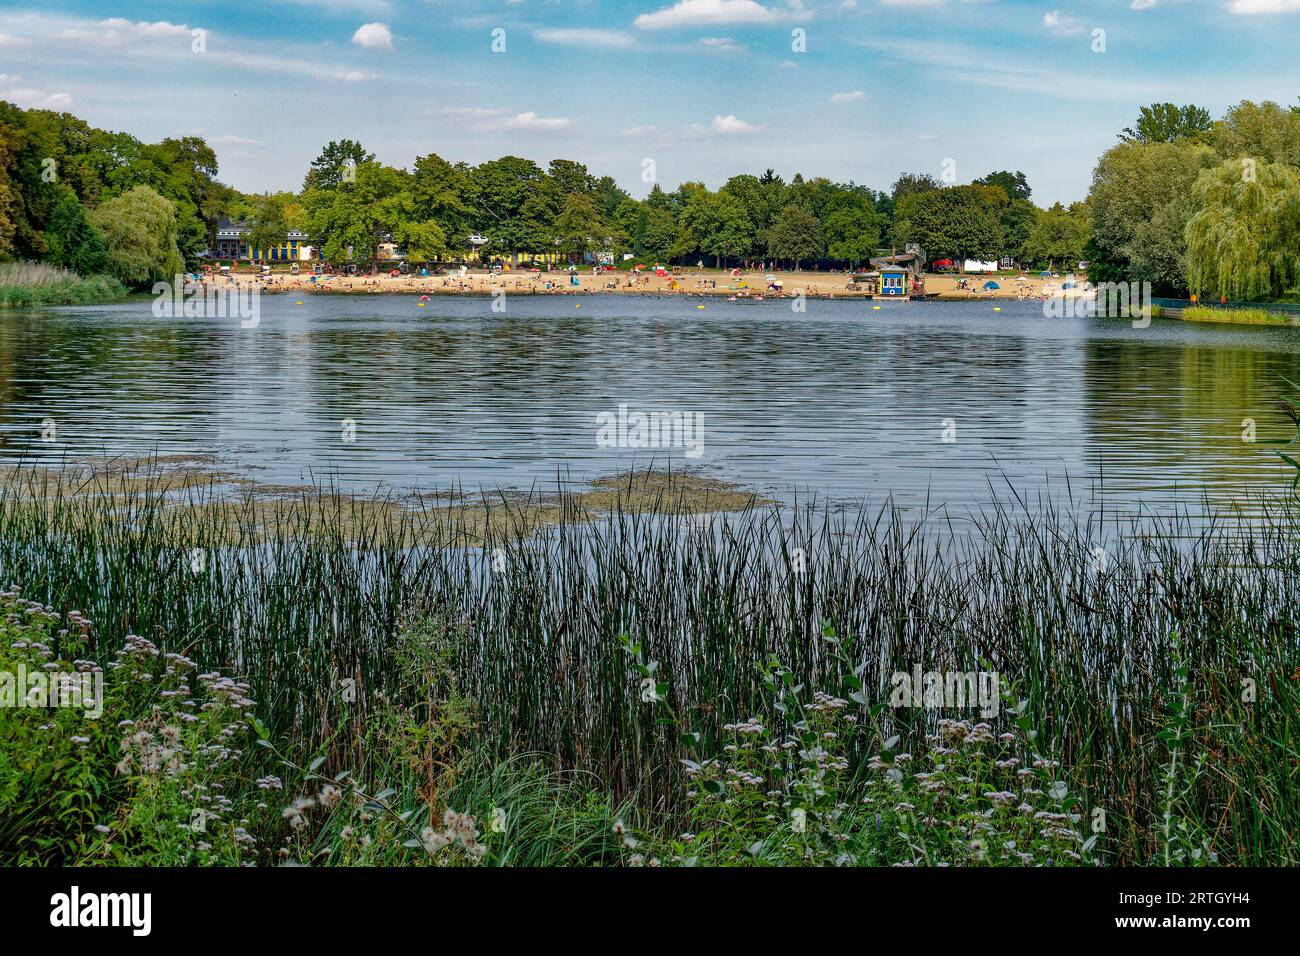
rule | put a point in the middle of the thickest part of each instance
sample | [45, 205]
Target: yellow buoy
[699, 307]
[997, 308]
[875, 308]
[421, 305]
[299, 302]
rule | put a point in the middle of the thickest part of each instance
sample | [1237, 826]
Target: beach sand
[694, 282]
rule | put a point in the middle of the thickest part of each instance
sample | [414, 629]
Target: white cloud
[731, 125]
[9, 43]
[118, 32]
[694, 13]
[1060, 24]
[347, 6]
[721, 44]
[1142, 4]
[531, 122]
[373, 36]
[231, 140]
[355, 76]
[853, 96]
[585, 37]
[33, 99]
[1252, 7]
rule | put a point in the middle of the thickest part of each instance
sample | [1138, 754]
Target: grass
[1201, 313]
[1163, 676]
[25, 284]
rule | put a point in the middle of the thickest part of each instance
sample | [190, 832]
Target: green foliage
[72, 242]
[139, 230]
[719, 224]
[336, 164]
[1141, 201]
[795, 235]
[1165, 123]
[1015, 185]
[36, 283]
[956, 223]
[1059, 235]
[1243, 242]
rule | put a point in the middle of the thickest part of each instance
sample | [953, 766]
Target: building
[232, 243]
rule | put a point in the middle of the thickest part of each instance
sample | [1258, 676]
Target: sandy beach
[695, 282]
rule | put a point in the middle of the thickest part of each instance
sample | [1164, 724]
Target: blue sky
[705, 88]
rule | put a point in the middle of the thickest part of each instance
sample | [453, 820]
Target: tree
[796, 235]
[336, 164]
[139, 230]
[1141, 200]
[1244, 239]
[1058, 235]
[71, 241]
[1261, 131]
[579, 226]
[351, 220]
[852, 228]
[909, 184]
[1015, 185]
[444, 194]
[719, 224]
[1017, 218]
[955, 223]
[1165, 123]
[270, 225]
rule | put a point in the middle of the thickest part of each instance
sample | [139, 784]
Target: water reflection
[840, 401]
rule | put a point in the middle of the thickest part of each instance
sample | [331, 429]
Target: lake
[921, 401]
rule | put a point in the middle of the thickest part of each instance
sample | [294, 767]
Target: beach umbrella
[992, 285]
[771, 278]
[1044, 275]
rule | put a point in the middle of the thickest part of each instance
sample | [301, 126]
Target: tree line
[1182, 201]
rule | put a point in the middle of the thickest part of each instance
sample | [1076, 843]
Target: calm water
[841, 401]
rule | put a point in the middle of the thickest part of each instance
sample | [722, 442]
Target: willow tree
[1244, 240]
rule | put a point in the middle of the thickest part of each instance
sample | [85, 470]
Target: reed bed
[25, 284]
[1154, 657]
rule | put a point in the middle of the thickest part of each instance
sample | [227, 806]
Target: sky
[648, 91]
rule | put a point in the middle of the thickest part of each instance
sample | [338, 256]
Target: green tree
[1015, 185]
[1264, 132]
[270, 224]
[796, 235]
[1165, 123]
[444, 194]
[955, 223]
[1141, 200]
[1017, 218]
[719, 224]
[139, 230]
[1058, 235]
[1244, 239]
[336, 164]
[579, 226]
[852, 227]
[71, 241]
[909, 184]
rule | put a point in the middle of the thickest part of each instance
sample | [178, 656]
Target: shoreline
[751, 286]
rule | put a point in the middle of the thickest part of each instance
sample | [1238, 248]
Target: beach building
[232, 243]
[893, 280]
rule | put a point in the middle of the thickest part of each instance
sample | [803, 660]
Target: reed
[1100, 645]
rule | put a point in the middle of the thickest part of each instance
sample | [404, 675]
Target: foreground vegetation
[1238, 316]
[34, 283]
[639, 686]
